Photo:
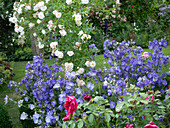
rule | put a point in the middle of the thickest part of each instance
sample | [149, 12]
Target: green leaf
[80, 124]
[143, 95]
[64, 125]
[119, 106]
[90, 118]
[107, 117]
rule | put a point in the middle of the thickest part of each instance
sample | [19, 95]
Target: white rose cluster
[59, 54]
[77, 19]
[69, 66]
[69, 2]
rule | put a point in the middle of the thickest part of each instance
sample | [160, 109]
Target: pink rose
[146, 3]
[150, 125]
[169, 86]
[71, 106]
[129, 125]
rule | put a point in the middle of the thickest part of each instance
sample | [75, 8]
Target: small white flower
[43, 32]
[36, 8]
[77, 17]
[57, 14]
[87, 63]
[53, 44]
[43, 8]
[80, 71]
[70, 53]
[31, 25]
[84, 1]
[84, 36]
[80, 82]
[79, 23]
[13, 19]
[80, 33]
[69, 2]
[56, 86]
[41, 15]
[92, 64]
[63, 32]
[20, 103]
[38, 21]
[34, 34]
[69, 66]
[20, 29]
[40, 4]
[27, 7]
[41, 46]
[32, 106]
[59, 54]
[23, 116]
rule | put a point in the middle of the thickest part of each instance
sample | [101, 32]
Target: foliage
[5, 121]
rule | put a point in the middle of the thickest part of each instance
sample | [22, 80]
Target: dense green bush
[5, 121]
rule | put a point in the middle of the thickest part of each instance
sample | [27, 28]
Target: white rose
[87, 63]
[59, 54]
[27, 7]
[20, 29]
[88, 37]
[58, 14]
[40, 4]
[80, 71]
[77, 17]
[80, 33]
[80, 82]
[63, 32]
[41, 15]
[84, 36]
[61, 26]
[31, 25]
[13, 19]
[38, 21]
[35, 8]
[68, 66]
[43, 8]
[69, 2]
[79, 23]
[34, 34]
[70, 53]
[53, 44]
[92, 64]
[84, 1]
[43, 32]
[41, 45]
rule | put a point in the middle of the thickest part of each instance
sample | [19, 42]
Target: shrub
[5, 121]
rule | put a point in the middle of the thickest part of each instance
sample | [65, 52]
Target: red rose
[146, 3]
[129, 125]
[169, 86]
[132, 1]
[71, 106]
[87, 97]
[132, 6]
[150, 125]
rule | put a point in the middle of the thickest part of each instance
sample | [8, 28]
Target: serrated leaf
[90, 118]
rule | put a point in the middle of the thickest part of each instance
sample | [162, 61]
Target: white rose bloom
[84, 1]
[80, 82]
[63, 32]
[20, 29]
[22, 33]
[79, 23]
[92, 64]
[70, 53]
[87, 63]
[58, 14]
[43, 32]
[31, 25]
[16, 29]
[55, 12]
[88, 36]
[77, 17]
[69, 2]
[41, 46]
[60, 26]
[43, 8]
[80, 33]
[13, 19]
[40, 4]
[84, 36]
[53, 44]
[47, 1]
[34, 15]
[34, 34]
[41, 15]
[69, 66]
[38, 21]
[19, 10]
[36, 8]
[27, 7]
[80, 71]
[59, 54]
